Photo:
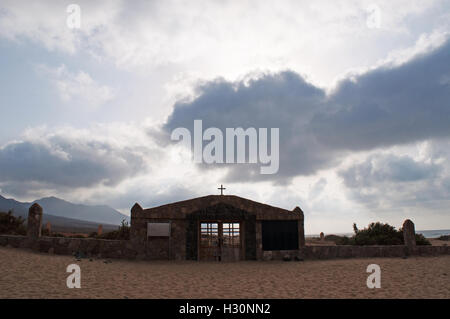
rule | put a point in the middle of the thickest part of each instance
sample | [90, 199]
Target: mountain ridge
[55, 206]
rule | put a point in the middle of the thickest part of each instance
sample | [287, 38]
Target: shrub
[11, 225]
[344, 240]
[421, 240]
[57, 235]
[444, 237]
[339, 240]
[75, 236]
[123, 233]
[93, 234]
[382, 234]
[377, 234]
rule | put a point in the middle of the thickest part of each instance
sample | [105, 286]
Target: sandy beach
[27, 274]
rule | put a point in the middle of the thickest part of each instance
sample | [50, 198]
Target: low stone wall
[90, 247]
[331, 252]
[102, 248]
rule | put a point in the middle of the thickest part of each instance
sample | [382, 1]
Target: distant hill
[55, 207]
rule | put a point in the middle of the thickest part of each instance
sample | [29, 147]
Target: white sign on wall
[158, 229]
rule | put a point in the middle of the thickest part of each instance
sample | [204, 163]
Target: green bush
[344, 240]
[339, 240]
[11, 225]
[123, 233]
[93, 234]
[381, 234]
[377, 234]
[444, 237]
[421, 240]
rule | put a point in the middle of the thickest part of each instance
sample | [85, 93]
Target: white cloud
[182, 43]
[222, 38]
[78, 87]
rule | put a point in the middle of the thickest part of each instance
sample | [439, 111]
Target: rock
[287, 257]
[79, 255]
[51, 250]
[297, 258]
[267, 255]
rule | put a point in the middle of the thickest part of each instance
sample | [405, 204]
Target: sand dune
[27, 274]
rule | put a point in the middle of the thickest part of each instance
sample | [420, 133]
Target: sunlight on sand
[27, 274]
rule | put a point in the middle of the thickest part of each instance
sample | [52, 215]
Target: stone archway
[220, 221]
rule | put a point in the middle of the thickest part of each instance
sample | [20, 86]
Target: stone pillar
[34, 221]
[138, 231]
[301, 226]
[136, 211]
[409, 234]
[100, 229]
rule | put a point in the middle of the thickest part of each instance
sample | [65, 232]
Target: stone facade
[185, 217]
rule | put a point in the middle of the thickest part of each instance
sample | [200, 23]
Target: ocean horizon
[432, 233]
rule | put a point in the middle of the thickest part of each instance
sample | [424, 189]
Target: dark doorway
[279, 234]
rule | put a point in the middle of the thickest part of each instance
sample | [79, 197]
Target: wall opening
[279, 234]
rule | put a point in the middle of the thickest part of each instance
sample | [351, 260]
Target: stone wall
[124, 249]
[89, 247]
[333, 252]
[183, 241]
[101, 248]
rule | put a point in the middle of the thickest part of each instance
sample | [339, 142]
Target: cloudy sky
[360, 91]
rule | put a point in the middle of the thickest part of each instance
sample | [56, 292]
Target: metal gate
[220, 241]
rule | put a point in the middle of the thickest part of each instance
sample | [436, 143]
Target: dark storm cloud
[395, 181]
[65, 163]
[376, 170]
[390, 106]
[383, 107]
[283, 100]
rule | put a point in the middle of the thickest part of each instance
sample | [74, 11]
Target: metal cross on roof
[221, 189]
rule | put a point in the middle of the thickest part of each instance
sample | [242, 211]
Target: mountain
[20, 209]
[56, 207]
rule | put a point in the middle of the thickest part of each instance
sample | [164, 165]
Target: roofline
[181, 203]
